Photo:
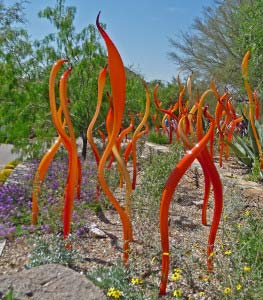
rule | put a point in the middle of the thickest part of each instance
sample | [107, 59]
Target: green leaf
[241, 153]
[253, 140]
[260, 131]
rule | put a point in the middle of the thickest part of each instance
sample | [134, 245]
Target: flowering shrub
[15, 204]
[114, 293]
[15, 200]
[118, 283]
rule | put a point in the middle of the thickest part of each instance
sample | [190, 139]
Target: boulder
[50, 282]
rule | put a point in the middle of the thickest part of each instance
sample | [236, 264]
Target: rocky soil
[103, 247]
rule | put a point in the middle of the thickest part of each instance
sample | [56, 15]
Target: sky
[140, 29]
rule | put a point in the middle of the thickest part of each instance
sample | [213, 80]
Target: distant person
[167, 125]
[174, 124]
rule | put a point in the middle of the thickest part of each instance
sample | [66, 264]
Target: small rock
[29, 294]
[96, 232]
[184, 222]
[198, 204]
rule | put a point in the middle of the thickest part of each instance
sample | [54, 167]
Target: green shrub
[256, 174]
[51, 250]
[94, 206]
[119, 279]
[156, 172]
[158, 138]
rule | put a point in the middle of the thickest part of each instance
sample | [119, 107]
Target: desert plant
[9, 295]
[148, 193]
[156, 172]
[245, 148]
[255, 174]
[51, 249]
[118, 282]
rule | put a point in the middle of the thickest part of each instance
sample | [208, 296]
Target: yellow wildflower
[202, 293]
[247, 213]
[117, 294]
[239, 225]
[228, 252]
[238, 287]
[227, 290]
[176, 276]
[177, 293]
[247, 269]
[211, 254]
[136, 281]
[112, 292]
[225, 217]
[177, 270]
[205, 278]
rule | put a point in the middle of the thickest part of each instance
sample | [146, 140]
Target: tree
[218, 42]
[250, 37]
[16, 54]
[84, 52]
[25, 71]
[25, 113]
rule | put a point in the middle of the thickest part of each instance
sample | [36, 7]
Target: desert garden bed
[237, 255]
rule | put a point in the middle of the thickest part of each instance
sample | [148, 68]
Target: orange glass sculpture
[67, 137]
[118, 90]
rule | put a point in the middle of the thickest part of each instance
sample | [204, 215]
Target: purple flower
[45, 228]
[15, 199]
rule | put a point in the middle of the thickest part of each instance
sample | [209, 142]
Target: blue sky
[139, 29]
